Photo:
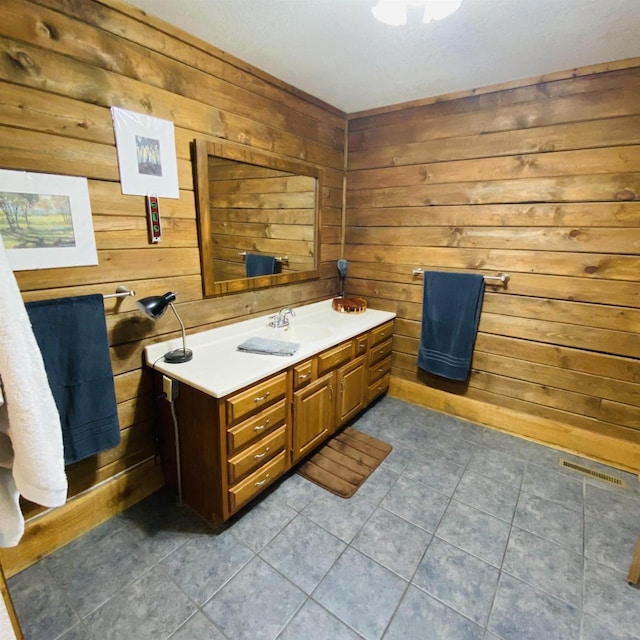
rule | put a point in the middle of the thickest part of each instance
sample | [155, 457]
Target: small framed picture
[45, 220]
[146, 154]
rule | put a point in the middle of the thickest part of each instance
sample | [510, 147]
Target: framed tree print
[146, 154]
[45, 220]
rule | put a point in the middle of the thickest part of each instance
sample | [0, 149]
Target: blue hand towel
[264, 346]
[259, 265]
[72, 336]
[450, 317]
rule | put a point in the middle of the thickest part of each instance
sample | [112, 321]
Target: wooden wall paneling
[601, 95]
[40, 68]
[588, 188]
[612, 159]
[619, 448]
[256, 209]
[156, 35]
[589, 265]
[620, 130]
[562, 214]
[551, 377]
[117, 53]
[63, 65]
[529, 399]
[540, 182]
[119, 265]
[52, 529]
[600, 77]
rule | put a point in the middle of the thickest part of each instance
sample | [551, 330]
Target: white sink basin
[304, 332]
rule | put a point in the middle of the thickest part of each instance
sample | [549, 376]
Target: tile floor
[462, 533]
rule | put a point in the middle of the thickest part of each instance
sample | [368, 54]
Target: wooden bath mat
[345, 462]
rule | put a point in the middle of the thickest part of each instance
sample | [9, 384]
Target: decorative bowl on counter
[349, 305]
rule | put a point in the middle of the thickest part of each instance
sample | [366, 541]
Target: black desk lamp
[154, 307]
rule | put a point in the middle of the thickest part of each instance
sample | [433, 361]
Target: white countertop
[218, 368]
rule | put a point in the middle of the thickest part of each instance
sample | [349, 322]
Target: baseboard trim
[48, 531]
[617, 452]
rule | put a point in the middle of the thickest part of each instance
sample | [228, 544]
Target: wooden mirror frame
[202, 149]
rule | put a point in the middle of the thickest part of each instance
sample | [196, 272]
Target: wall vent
[619, 482]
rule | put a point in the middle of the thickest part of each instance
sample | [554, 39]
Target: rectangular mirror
[257, 217]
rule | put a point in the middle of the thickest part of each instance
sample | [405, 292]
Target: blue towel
[259, 265]
[265, 346]
[72, 336]
[450, 317]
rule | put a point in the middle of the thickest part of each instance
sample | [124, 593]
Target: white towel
[6, 628]
[31, 453]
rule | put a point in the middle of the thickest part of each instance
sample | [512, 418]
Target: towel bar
[121, 292]
[501, 277]
[278, 258]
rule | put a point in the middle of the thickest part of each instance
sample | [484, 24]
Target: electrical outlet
[169, 388]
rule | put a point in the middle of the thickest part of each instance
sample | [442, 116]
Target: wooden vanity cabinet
[335, 394]
[259, 412]
[313, 415]
[232, 448]
[350, 390]
[202, 450]
[379, 361]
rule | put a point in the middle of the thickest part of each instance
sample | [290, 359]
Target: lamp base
[178, 355]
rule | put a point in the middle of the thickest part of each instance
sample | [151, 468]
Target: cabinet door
[350, 388]
[313, 415]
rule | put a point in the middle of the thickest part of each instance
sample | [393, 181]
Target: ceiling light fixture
[394, 12]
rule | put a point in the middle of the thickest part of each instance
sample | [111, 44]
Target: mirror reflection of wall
[259, 210]
[257, 204]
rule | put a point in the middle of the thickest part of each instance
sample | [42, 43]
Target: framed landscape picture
[146, 154]
[45, 220]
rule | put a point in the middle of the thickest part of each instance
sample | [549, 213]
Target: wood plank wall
[63, 64]
[539, 181]
[260, 210]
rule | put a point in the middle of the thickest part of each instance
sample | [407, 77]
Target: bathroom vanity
[244, 419]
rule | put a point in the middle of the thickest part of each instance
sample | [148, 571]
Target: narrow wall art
[146, 154]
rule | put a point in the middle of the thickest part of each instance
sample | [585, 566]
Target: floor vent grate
[594, 474]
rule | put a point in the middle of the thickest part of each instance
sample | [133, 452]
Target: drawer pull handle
[380, 370]
[261, 398]
[261, 482]
[303, 376]
[260, 427]
[263, 454]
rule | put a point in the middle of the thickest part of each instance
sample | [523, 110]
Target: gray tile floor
[462, 533]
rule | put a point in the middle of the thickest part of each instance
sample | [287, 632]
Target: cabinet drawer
[255, 427]
[381, 333]
[335, 357]
[361, 343]
[302, 374]
[256, 455]
[256, 482]
[258, 397]
[379, 352]
[379, 369]
[378, 388]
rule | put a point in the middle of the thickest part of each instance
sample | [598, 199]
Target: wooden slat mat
[345, 461]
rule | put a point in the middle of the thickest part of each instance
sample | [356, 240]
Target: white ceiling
[335, 49]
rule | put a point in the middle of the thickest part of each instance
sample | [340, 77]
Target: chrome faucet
[281, 319]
